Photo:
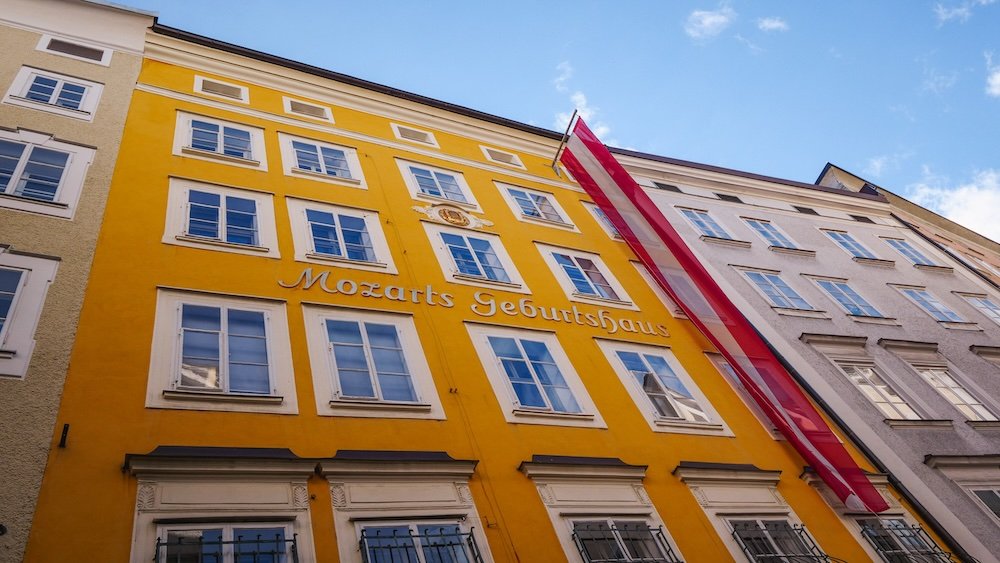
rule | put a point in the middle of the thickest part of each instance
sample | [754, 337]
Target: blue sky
[905, 94]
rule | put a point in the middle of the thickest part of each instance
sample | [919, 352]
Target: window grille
[430, 544]
[259, 548]
[776, 541]
[622, 542]
[896, 542]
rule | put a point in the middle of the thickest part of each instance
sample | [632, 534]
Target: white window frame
[866, 253]
[71, 184]
[587, 417]
[470, 202]
[962, 386]
[289, 162]
[287, 103]
[182, 142]
[991, 313]
[45, 39]
[329, 403]
[450, 270]
[781, 233]
[164, 363]
[199, 86]
[563, 223]
[302, 236]
[902, 289]
[971, 488]
[714, 426]
[603, 220]
[760, 291]
[176, 225]
[17, 337]
[843, 364]
[817, 279]
[228, 529]
[623, 301]
[430, 142]
[24, 79]
[912, 247]
[726, 235]
[491, 152]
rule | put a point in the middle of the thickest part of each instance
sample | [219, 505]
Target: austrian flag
[676, 269]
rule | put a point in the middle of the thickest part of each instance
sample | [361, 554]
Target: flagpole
[562, 143]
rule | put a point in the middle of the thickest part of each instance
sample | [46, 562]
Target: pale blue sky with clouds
[905, 93]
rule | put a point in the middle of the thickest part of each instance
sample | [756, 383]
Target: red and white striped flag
[676, 269]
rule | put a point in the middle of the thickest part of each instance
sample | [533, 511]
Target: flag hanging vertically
[682, 276]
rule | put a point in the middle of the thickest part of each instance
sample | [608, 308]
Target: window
[847, 298]
[874, 387]
[223, 543]
[502, 157]
[474, 258]
[729, 198]
[24, 282]
[931, 305]
[533, 205]
[532, 377]
[217, 218]
[54, 93]
[862, 219]
[604, 220]
[584, 276]
[668, 397]
[221, 89]
[990, 498]
[343, 235]
[851, 246]
[220, 353]
[621, 540]
[306, 109]
[321, 161]
[705, 224]
[765, 540]
[41, 175]
[941, 379]
[369, 364]
[325, 233]
[767, 231]
[75, 49]
[667, 187]
[776, 291]
[911, 253]
[428, 542]
[436, 184]
[805, 210]
[898, 542]
[985, 305]
[414, 135]
[213, 139]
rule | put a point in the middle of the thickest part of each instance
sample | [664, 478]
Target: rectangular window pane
[259, 545]
[991, 498]
[201, 347]
[323, 230]
[42, 174]
[204, 136]
[241, 220]
[10, 156]
[10, 280]
[248, 363]
[945, 384]
[389, 544]
[194, 546]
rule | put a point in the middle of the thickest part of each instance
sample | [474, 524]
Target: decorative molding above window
[221, 89]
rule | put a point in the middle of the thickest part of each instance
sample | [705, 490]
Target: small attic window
[221, 89]
[667, 187]
[727, 197]
[501, 157]
[414, 135]
[75, 50]
[805, 210]
[306, 109]
[862, 219]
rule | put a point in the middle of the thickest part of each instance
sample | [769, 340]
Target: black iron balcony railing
[600, 542]
[897, 542]
[777, 541]
[436, 545]
[259, 548]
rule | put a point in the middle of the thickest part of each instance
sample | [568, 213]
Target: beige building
[66, 79]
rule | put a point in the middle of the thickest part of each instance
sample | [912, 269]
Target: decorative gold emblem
[453, 216]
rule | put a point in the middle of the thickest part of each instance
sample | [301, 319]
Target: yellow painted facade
[88, 503]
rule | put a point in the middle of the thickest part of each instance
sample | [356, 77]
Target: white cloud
[565, 73]
[973, 204]
[958, 12]
[587, 112]
[772, 24]
[705, 24]
[936, 82]
[992, 77]
[754, 48]
[877, 165]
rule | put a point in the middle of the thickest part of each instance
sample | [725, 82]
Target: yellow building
[346, 323]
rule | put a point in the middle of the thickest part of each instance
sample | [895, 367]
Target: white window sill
[354, 182]
[439, 199]
[363, 404]
[487, 281]
[726, 241]
[808, 313]
[532, 413]
[55, 204]
[51, 108]
[874, 320]
[222, 243]
[7, 354]
[920, 423]
[212, 396]
[706, 427]
[935, 268]
[983, 424]
[792, 251]
[332, 258]
[603, 300]
[960, 326]
[547, 222]
[220, 156]
[877, 262]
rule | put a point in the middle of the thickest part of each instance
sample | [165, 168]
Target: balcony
[897, 542]
[622, 542]
[429, 544]
[205, 548]
[776, 541]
